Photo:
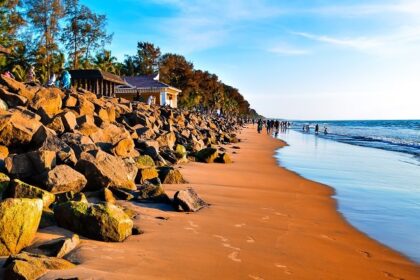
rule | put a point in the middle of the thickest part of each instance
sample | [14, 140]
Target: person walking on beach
[325, 130]
[259, 126]
[316, 129]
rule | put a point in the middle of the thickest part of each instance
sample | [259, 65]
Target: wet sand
[265, 222]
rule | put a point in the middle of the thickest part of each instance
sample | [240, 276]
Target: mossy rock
[19, 221]
[144, 161]
[19, 189]
[105, 222]
[207, 155]
[180, 151]
[152, 193]
[31, 266]
[169, 175]
[147, 174]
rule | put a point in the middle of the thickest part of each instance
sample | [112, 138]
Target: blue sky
[296, 59]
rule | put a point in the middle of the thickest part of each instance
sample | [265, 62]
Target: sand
[264, 222]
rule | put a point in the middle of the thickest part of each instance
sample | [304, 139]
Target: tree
[84, 31]
[147, 58]
[44, 16]
[129, 66]
[11, 21]
[105, 61]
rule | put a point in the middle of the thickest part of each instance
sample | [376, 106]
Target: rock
[27, 266]
[69, 121]
[108, 196]
[16, 128]
[207, 155]
[180, 151]
[19, 189]
[121, 194]
[147, 174]
[103, 170]
[167, 140]
[19, 220]
[11, 99]
[143, 162]
[4, 184]
[42, 160]
[19, 166]
[188, 201]
[105, 222]
[124, 147]
[169, 175]
[70, 196]
[47, 219]
[47, 102]
[223, 158]
[62, 179]
[152, 193]
[56, 248]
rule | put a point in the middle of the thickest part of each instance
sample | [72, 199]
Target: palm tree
[105, 62]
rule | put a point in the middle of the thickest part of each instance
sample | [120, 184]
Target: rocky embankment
[67, 157]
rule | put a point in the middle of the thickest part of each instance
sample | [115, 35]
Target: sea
[374, 167]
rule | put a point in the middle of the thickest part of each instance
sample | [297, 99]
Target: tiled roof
[96, 74]
[146, 81]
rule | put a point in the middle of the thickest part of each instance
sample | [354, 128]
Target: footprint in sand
[240, 225]
[284, 267]
[265, 218]
[192, 224]
[366, 254]
[250, 239]
[231, 247]
[191, 229]
[327, 237]
[234, 256]
[222, 238]
[255, 277]
[392, 276]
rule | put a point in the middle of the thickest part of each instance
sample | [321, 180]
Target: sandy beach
[264, 222]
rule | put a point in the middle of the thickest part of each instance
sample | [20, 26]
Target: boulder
[42, 160]
[19, 189]
[223, 158]
[47, 102]
[17, 128]
[146, 174]
[188, 201]
[180, 151]
[12, 99]
[70, 196]
[143, 162]
[26, 266]
[167, 140]
[207, 155]
[104, 170]
[19, 220]
[124, 147]
[169, 175]
[152, 193]
[62, 179]
[105, 222]
[57, 247]
[69, 121]
[19, 166]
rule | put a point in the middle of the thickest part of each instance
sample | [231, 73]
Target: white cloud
[284, 50]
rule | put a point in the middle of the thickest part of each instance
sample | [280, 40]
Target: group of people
[64, 81]
[306, 128]
[271, 126]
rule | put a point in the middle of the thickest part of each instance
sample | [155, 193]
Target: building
[99, 82]
[141, 88]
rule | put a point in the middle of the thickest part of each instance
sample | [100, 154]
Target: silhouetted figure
[316, 129]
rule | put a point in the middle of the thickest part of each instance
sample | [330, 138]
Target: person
[325, 130]
[65, 80]
[31, 76]
[268, 126]
[51, 82]
[276, 127]
[259, 125]
[8, 74]
[316, 129]
[150, 100]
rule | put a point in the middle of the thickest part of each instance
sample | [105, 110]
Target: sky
[293, 59]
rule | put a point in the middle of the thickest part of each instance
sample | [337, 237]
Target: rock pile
[60, 149]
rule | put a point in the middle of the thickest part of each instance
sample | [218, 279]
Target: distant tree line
[57, 34]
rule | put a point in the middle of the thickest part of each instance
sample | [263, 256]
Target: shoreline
[264, 222]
